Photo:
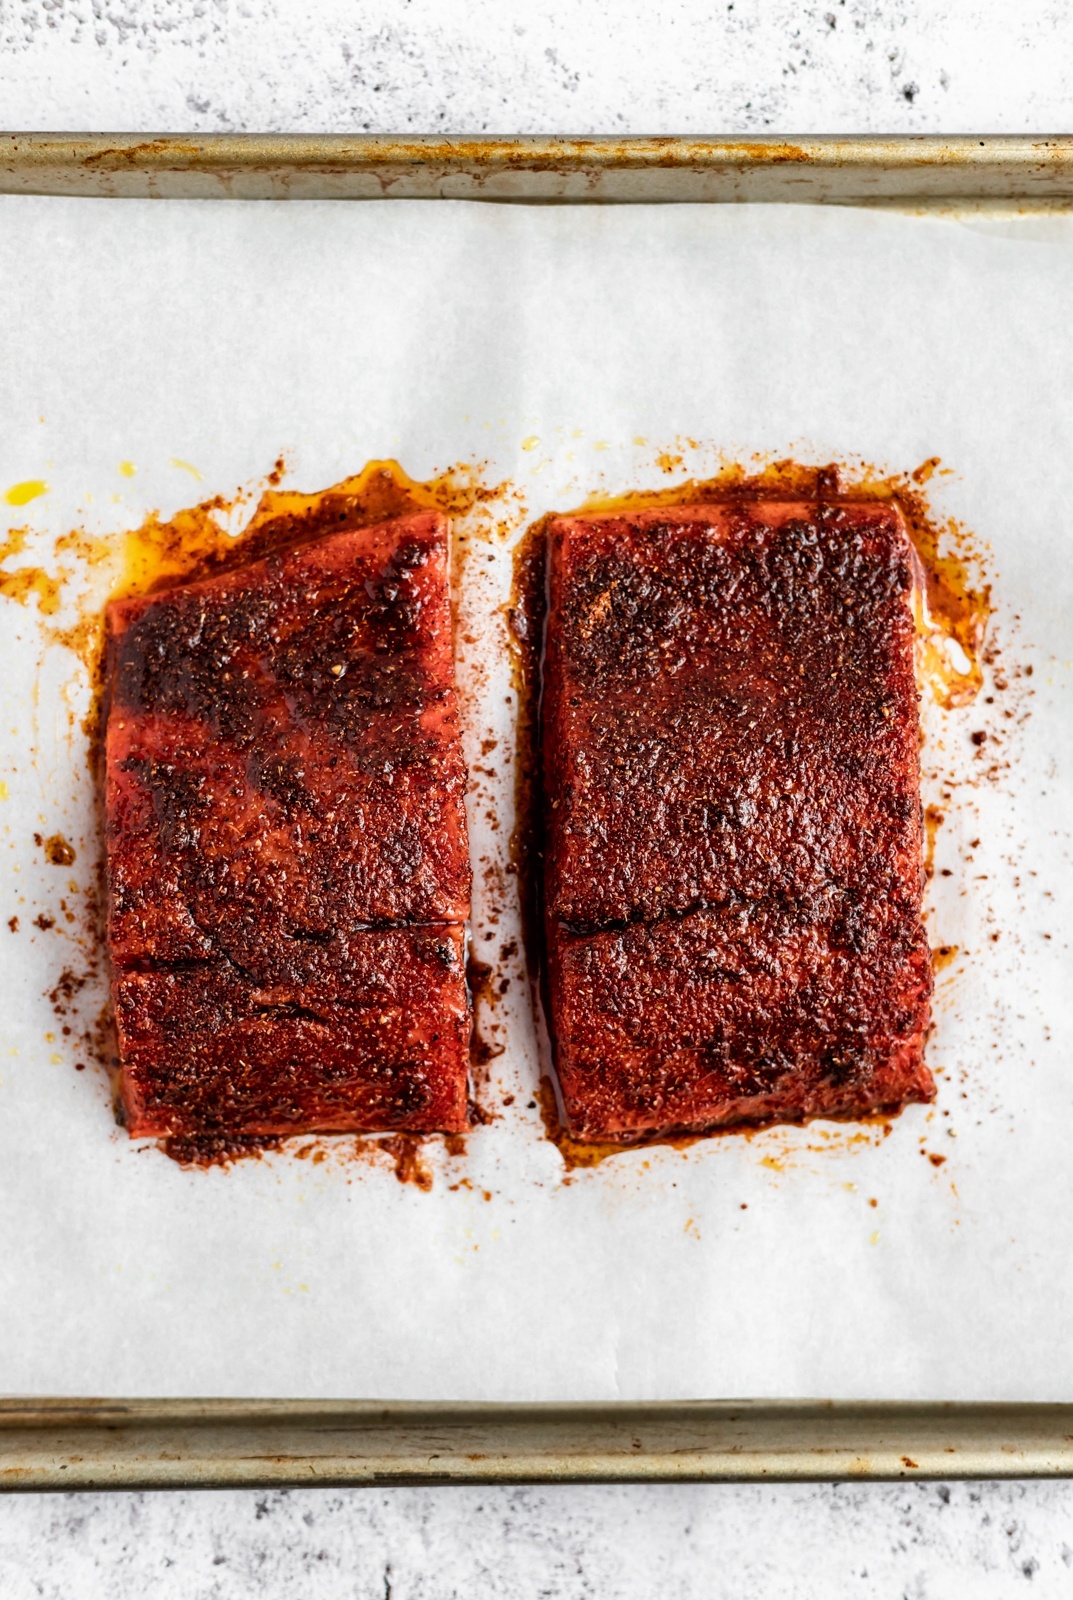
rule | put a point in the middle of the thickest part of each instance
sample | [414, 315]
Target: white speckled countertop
[542, 66]
[750, 1542]
[554, 66]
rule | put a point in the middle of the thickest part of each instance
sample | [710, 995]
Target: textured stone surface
[640, 66]
[764, 1542]
[542, 66]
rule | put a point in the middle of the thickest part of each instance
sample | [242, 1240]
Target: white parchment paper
[565, 349]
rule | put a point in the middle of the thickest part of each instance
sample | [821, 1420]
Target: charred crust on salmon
[288, 866]
[731, 810]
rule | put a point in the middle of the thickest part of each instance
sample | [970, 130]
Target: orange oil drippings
[203, 538]
[27, 583]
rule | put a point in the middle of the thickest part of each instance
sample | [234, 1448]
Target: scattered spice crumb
[217, 1150]
[57, 850]
[409, 1168]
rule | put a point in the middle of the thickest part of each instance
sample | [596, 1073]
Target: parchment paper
[565, 349]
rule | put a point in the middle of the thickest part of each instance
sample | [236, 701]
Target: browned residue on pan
[583, 1153]
[590, 1153]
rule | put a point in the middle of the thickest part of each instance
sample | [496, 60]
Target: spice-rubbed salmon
[730, 754]
[288, 868]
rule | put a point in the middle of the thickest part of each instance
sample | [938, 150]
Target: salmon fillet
[287, 858]
[733, 832]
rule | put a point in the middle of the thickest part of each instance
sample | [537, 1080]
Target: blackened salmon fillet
[733, 830]
[287, 859]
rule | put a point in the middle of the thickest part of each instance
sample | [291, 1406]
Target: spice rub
[288, 868]
[733, 834]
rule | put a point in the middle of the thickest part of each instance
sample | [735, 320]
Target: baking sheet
[562, 351]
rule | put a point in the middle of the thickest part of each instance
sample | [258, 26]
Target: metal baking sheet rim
[50, 1444]
[150, 1444]
[1005, 172]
